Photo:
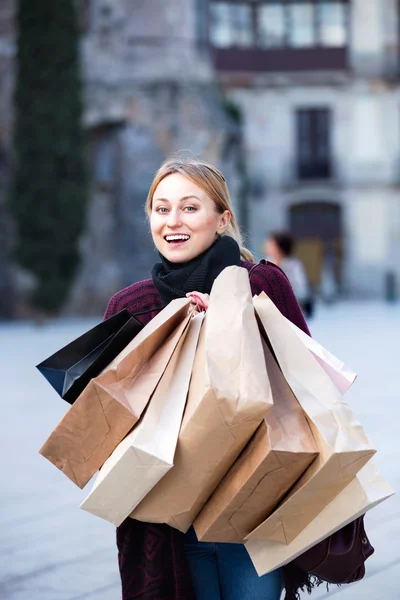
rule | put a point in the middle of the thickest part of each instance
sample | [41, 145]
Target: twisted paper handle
[200, 303]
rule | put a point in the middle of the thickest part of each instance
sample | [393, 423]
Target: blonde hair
[212, 182]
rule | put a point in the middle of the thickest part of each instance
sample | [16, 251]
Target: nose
[174, 219]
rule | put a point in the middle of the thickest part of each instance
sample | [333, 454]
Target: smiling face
[184, 220]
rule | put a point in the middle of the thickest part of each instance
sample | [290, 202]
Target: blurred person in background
[279, 250]
[195, 232]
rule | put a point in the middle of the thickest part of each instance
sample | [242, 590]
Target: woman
[279, 249]
[195, 232]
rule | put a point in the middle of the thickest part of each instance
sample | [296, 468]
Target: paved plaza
[52, 550]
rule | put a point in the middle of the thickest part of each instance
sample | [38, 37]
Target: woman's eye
[161, 209]
[190, 208]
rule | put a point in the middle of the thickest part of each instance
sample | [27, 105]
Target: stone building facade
[317, 87]
[318, 84]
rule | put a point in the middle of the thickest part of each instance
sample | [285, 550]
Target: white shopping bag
[363, 493]
[342, 376]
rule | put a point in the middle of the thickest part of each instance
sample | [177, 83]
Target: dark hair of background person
[284, 241]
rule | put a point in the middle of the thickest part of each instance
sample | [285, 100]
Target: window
[313, 143]
[271, 25]
[242, 25]
[220, 26]
[231, 25]
[279, 23]
[332, 24]
[302, 31]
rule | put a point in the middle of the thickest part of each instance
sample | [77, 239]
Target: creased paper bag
[113, 401]
[147, 452]
[229, 395]
[279, 452]
[342, 376]
[364, 492]
[344, 447]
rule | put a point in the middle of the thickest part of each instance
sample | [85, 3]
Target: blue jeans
[225, 572]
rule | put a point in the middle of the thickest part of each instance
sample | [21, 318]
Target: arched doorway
[318, 230]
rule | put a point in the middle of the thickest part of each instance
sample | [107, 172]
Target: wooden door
[317, 228]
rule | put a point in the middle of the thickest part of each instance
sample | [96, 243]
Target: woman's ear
[224, 221]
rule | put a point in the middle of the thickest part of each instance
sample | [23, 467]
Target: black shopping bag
[70, 369]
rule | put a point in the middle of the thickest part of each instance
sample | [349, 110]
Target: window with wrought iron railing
[279, 23]
[261, 26]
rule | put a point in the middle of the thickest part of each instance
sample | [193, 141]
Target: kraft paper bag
[229, 395]
[364, 492]
[277, 455]
[147, 452]
[342, 376]
[113, 401]
[344, 447]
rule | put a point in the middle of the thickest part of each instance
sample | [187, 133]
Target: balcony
[279, 36]
[280, 60]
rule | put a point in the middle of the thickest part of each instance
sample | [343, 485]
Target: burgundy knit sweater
[151, 556]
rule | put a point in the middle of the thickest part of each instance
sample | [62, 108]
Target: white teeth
[174, 238]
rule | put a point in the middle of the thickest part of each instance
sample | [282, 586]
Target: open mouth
[177, 238]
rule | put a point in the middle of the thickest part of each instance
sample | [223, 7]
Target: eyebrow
[188, 197]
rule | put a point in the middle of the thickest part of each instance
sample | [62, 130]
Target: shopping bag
[229, 395]
[342, 376]
[344, 447]
[364, 492]
[112, 402]
[278, 454]
[70, 369]
[147, 452]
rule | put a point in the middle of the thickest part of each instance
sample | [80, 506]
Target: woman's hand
[200, 301]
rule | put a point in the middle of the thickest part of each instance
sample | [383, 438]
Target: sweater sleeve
[112, 307]
[141, 299]
[271, 279]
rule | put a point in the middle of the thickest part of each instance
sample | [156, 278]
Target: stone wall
[132, 132]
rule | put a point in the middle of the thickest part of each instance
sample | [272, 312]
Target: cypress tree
[49, 190]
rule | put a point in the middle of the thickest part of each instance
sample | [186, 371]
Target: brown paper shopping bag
[344, 447]
[113, 401]
[147, 452]
[277, 455]
[229, 395]
[364, 492]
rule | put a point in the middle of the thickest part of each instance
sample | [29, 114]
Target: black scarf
[175, 280]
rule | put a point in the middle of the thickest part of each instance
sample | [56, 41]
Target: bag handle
[200, 305]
